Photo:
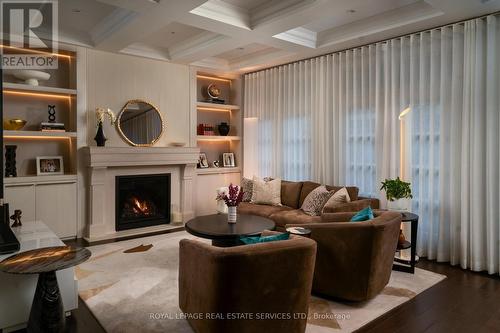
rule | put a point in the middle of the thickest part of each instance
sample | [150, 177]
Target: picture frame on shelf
[49, 165]
[203, 161]
[228, 160]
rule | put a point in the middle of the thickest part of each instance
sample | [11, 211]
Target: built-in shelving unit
[30, 102]
[214, 146]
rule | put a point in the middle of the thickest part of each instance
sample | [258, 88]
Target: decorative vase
[10, 161]
[223, 129]
[400, 205]
[99, 138]
[231, 214]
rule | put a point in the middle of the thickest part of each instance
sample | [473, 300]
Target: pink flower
[234, 196]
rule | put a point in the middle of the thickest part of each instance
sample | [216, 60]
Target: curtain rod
[377, 42]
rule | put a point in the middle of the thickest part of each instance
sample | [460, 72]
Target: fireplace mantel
[105, 163]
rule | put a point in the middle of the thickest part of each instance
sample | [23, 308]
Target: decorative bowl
[14, 124]
[29, 76]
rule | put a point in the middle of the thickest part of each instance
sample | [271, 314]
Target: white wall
[113, 79]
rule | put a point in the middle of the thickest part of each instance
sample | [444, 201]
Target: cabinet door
[21, 197]
[56, 207]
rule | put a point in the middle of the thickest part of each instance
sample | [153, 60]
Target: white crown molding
[300, 36]
[194, 44]
[143, 50]
[224, 12]
[112, 23]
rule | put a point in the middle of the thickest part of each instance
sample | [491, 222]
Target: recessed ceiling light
[76, 10]
[350, 11]
[240, 48]
[172, 32]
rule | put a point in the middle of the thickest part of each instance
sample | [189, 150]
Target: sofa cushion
[265, 239]
[290, 193]
[307, 187]
[260, 210]
[338, 198]
[266, 192]
[363, 215]
[314, 202]
[247, 187]
[352, 190]
[292, 216]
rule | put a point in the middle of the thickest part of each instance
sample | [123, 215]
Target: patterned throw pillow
[247, 187]
[266, 193]
[314, 202]
[338, 198]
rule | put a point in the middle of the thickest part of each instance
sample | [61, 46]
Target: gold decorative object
[140, 123]
[213, 91]
[13, 124]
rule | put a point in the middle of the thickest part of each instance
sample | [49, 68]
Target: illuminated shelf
[217, 171]
[37, 135]
[217, 138]
[216, 107]
[34, 179]
[20, 87]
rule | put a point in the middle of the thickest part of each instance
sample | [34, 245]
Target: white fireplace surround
[105, 163]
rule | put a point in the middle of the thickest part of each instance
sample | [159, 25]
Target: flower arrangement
[234, 196]
[100, 113]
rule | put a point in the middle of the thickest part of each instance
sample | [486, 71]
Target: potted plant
[232, 198]
[398, 194]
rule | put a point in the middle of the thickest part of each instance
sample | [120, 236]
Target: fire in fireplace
[142, 201]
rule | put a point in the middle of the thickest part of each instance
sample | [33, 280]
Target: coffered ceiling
[246, 35]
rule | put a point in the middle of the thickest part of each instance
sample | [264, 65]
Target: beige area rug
[131, 286]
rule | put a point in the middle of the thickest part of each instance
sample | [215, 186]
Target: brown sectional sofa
[293, 195]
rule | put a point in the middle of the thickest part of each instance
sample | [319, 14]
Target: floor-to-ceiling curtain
[334, 119]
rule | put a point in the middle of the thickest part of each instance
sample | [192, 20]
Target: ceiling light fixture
[350, 11]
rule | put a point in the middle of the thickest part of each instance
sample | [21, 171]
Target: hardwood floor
[464, 302]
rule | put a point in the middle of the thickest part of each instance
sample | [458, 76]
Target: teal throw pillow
[363, 215]
[263, 239]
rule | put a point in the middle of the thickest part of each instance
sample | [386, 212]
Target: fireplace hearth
[142, 201]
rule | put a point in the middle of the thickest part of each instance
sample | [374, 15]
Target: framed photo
[49, 165]
[203, 161]
[228, 160]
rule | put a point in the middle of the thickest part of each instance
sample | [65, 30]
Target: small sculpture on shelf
[214, 93]
[10, 161]
[16, 217]
[100, 113]
[52, 113]
[51, 125]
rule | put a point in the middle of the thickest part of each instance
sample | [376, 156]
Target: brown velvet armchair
[354, 260]
[258, 280]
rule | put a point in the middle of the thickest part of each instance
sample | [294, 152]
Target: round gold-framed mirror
[140, 123]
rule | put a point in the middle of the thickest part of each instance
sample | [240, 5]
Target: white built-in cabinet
[52, 201]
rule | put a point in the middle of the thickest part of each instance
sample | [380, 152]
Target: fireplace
[142, 201]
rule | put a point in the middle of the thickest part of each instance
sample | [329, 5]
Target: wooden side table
[46, 313]
[404, 265]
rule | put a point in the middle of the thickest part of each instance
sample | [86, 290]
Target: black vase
[10, 161]
[224, 129]
[99, 138]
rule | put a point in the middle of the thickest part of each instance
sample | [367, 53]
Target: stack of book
[52, 127]
[206, 129]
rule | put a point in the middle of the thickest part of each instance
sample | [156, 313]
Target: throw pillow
[338, 198]
[314, 202]
[266, 193]
[363, 215]
[264, 239]
[247, 187]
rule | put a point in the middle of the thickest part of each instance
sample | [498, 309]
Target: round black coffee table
[47, 314]
[224, 234]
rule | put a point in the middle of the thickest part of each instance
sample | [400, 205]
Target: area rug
[131, 286]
